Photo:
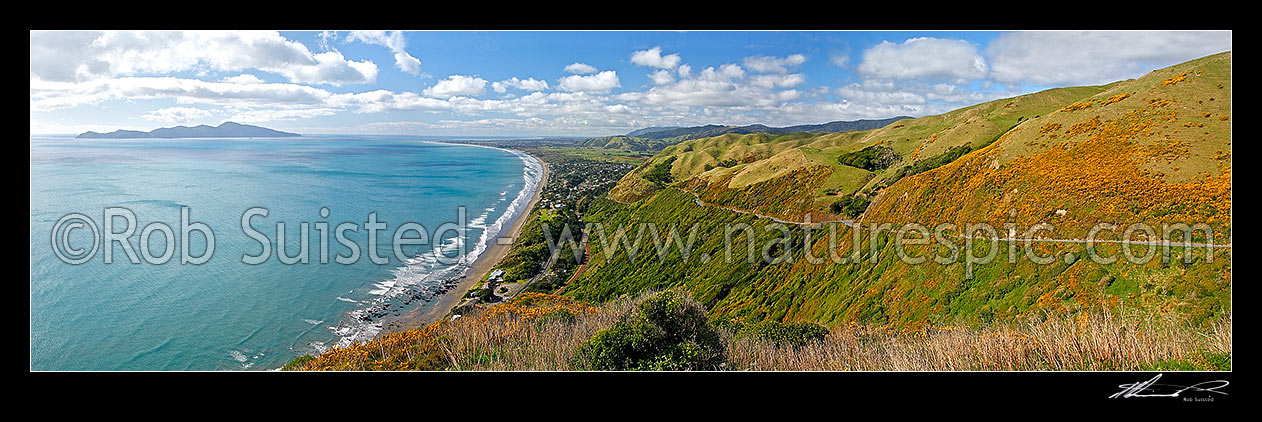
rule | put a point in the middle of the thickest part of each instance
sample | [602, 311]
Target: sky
[560, 83]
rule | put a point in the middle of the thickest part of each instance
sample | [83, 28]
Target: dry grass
[510, 339]
[1087, 342]
[530, 333]
[542, 332]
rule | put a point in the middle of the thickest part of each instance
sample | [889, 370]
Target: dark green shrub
[933, 162]
[729, 326]
[667, 331]
[873, 158]
[794, 334]
[557, 316]
[297, 362]
[850, 205]
[659, 175]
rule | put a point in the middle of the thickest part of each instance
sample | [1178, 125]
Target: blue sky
[560, 83]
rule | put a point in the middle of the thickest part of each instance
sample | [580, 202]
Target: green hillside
[627, 143]
[723, 164]
[1154, 150]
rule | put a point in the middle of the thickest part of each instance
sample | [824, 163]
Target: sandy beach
[429, 313]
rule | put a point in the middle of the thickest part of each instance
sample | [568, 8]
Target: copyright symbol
[61, 239]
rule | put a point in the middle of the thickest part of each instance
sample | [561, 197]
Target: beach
[428, 313]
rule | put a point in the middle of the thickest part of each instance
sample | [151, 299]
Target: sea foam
[426, 274]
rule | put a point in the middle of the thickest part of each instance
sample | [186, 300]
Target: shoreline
[428, 313]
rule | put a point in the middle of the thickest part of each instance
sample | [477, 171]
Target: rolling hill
[656, 138]
[1153, 150]
[694, 132]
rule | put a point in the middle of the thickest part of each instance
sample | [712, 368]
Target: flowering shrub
[1076, 106]
[1050, 127]
[1115, 98]
[1106, 173]
[1175, 80]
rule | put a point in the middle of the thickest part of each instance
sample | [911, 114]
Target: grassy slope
[767, 157]
[880, 289]
[626, 143]
[1127, 163]
[1143, 150]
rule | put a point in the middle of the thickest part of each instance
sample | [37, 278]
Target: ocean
[186, 306]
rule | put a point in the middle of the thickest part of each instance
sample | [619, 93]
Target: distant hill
[224, 130]
[695, 132]
[640, 132]
[629, 143]
[654, 139]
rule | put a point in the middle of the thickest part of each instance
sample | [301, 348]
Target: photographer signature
[1151, 388]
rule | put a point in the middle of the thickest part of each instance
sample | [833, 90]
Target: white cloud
[330, 68]
[684, 71]
[86, 56]
[407, 63]
[653, 58]
[244, 78]
[49, 96]
[580, 68]
[912, 98]
[457, 85]
[661, 77]
[839, 60]
[727, 71]
[726, 86]
[919, 77]
[530, 84]
[601, 82]
[935, 58]
[782, 81]
[878, 95]
[177, 114]
[1079, 58]
[272, 115]
[767, 64]
[395, 42]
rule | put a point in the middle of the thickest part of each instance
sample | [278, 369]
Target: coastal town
[575, 176]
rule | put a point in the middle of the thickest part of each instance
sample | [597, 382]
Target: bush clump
[297, 363]
[793, 334]
[667, 331]
[660, 175]
[850, 205]
[557, 316]
[873, 158]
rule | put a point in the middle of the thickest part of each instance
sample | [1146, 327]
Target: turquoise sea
[224, 313]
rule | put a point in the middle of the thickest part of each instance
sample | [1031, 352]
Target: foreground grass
[1088, 342]
[545, 332]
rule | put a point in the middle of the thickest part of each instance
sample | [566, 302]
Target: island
[224, 130]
